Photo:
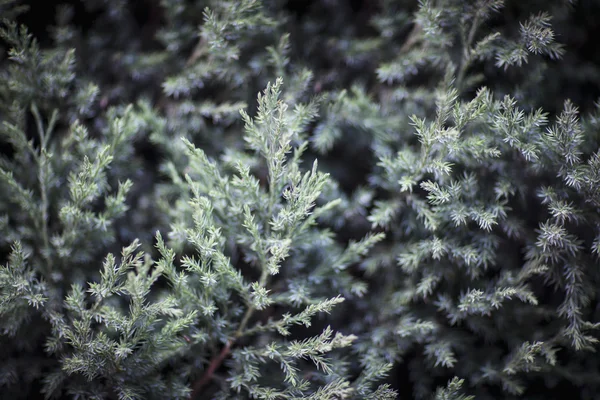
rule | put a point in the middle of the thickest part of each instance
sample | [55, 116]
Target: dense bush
[409, 208]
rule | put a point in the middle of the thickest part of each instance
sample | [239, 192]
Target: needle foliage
[274, 199]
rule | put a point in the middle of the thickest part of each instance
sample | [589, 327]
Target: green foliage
[165, 233]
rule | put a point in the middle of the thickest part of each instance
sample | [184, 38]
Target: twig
[215, 363]
[413, 37]
[467, 51]
[197, 53]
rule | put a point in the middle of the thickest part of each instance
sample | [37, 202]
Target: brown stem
[215, 363]
[197, 53]
[412, 38]
[218, 360]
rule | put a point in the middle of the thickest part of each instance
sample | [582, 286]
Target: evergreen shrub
[320, 199]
